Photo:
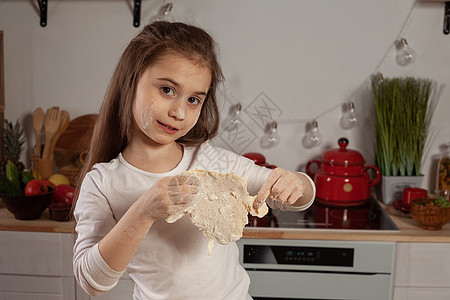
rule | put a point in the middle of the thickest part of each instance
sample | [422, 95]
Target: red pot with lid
[259, 159]
[341, 177]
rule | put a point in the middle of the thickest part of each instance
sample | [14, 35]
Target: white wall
[307, 57]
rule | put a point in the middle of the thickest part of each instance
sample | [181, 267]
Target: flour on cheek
[147, 115]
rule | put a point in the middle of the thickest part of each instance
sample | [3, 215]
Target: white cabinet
[20, 287]
[38, 266]
[422, 271]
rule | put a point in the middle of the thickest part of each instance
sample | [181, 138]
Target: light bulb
[166, 9]
[232, 122]
[351, 118]
[313, 137]
[405, 55]
[163, 13]
[271, 138]
[378, 78]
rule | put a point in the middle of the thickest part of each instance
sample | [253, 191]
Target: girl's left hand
[282, 185]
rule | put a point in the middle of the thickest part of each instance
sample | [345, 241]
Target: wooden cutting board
[74, 140]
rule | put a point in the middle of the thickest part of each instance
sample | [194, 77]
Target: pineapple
[13, 141]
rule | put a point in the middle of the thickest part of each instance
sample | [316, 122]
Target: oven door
[328, 270]
[311, 285]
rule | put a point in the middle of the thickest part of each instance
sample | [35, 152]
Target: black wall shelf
[43, 4]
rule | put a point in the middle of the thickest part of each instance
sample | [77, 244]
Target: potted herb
[404, 108]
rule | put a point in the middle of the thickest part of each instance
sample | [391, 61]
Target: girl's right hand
[169, 195]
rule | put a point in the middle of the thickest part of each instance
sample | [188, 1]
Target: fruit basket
[27, 207]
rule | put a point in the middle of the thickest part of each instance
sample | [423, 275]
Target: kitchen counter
[43, 224]
[409, 230]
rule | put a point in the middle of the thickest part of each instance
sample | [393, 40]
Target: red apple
[63, 193]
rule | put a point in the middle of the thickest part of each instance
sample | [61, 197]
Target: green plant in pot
[404, 107]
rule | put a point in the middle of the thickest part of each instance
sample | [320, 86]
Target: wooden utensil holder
[42, 168]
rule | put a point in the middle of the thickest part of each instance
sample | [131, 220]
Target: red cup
[409, 194]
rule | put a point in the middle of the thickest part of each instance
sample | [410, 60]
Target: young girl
[159, 112]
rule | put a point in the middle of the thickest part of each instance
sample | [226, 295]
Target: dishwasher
[320, 269]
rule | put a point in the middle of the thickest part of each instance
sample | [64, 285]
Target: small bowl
[60, 211]
[27, 207]
[429, 217]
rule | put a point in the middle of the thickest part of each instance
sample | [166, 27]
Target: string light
[232, 122]
[313, 138]
[405, 55]
[378, 77]
[350, 118]
[166, 9]
[271, 138]
[163, 13]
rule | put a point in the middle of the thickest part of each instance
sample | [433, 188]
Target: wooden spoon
[51, 125]
[38, 121]
[65, 120]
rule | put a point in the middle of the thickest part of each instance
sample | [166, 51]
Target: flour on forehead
[214, 159]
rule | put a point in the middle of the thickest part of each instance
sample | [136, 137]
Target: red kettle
[341, 178]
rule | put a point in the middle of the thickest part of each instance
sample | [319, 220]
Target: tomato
[36, 187]
[63, 193]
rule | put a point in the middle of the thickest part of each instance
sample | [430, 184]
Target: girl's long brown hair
[113, 128]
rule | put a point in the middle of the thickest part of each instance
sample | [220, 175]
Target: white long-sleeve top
[172, 262]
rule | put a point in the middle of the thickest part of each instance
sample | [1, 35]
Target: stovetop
[367, 216]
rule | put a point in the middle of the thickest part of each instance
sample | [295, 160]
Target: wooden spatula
[65, 120]
[51, 125]
[38, 122]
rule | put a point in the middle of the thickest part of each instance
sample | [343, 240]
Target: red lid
[258, 158]
[343, 156]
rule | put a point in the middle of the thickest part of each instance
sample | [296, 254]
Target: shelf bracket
[137, 13]
[447, 18]
[43, 11]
